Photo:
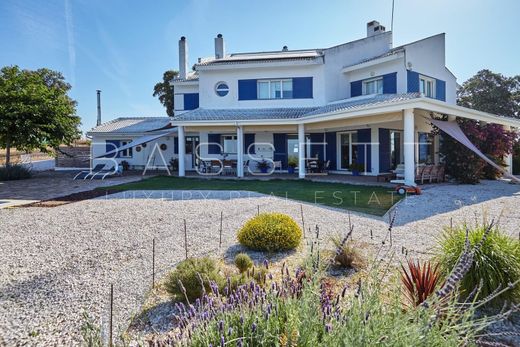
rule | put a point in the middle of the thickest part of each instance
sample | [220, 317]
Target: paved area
[58, 263]
[50, 184]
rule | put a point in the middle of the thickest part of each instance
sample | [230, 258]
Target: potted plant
[263, 166]
[291, 164]
[356, 168]
[125, 165]
[174, 163]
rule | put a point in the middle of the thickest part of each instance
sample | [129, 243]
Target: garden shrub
[270, 232]
[14, 172]
[187, 273]
[292, 312]
[243, 262]
[346, 254]
[496, 263]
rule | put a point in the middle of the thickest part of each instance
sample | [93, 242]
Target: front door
[192, 152]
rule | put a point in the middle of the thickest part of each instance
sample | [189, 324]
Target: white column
[374, 149]
[301, 151]
[182, 151]
[240, 152]
[409, 147]
[508, 158]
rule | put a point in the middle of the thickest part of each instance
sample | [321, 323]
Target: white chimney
[183, 58]
[220, 50]
[374, 28]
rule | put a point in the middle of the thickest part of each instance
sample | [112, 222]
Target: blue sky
[123, 47]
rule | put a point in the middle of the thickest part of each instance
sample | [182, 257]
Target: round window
[163, 147]
[221, 89]
[144, 145]
[138, 149]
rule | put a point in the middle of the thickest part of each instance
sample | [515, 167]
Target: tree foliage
[35, 110]
[488, 92]
[491, 92]
[164, 91]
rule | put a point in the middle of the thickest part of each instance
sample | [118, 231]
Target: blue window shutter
[412, 78]
[384, 150]
[247, 90]
[317, 146]
[302, 87]
[440, 92]
[331, 150]
[176, 145]
[249, 139]
[213, 147]
[280, 149]
[191, 101]
[110, 146]
[356, 88]
[390, 83]
[364, 137]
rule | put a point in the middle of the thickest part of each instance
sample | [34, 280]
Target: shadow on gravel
[257, 256]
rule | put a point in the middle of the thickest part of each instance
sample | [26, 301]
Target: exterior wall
[179, 90]
[336, 58]
[138, 159]
[380, 70]
[427, 57]
[209, 79]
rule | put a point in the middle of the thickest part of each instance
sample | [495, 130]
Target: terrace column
[240, 151]
[409, 147]
[182, 151]
[301, 151]
[509, 158]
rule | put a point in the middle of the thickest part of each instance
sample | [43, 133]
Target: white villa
[363, 102]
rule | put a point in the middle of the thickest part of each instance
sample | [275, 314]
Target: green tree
[164, 91]
[488, 92]
[491, 92]
[35, 110]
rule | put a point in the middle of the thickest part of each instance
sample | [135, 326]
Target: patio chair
[228, 167]
[434, 175]
[419, 172]
[83, 175]
[312, 165]
[203, 167]
[426, 174]
[102, 174]
[246, 167]
[441, 177]
[326, 167]
[216, 166]
[399, 171]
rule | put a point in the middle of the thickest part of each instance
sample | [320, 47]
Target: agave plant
[420, 281]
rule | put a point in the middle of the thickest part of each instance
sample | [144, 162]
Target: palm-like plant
[420, 281]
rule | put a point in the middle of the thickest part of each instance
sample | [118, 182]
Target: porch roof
[202, 114]
[131, 125]
[345, 109]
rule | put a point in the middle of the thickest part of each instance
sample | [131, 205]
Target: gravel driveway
[56, 263]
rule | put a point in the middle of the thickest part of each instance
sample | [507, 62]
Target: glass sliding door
[395, 148]
[348, 149]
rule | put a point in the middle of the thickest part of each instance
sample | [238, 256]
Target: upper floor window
[373, 86]
[222, 89]
[275, 89]
[427, 86]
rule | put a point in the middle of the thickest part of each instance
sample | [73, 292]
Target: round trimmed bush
[243, 262]
[186, 273]
[270, 232]
[496, 264]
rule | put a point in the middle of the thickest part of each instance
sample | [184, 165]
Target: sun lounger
[83, 175]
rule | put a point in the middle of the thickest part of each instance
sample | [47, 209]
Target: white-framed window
[229, 143]
[427, 86]
[373, 86]
[127, 153]
[275, 89]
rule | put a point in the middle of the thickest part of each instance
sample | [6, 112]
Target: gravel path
[56, 263]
